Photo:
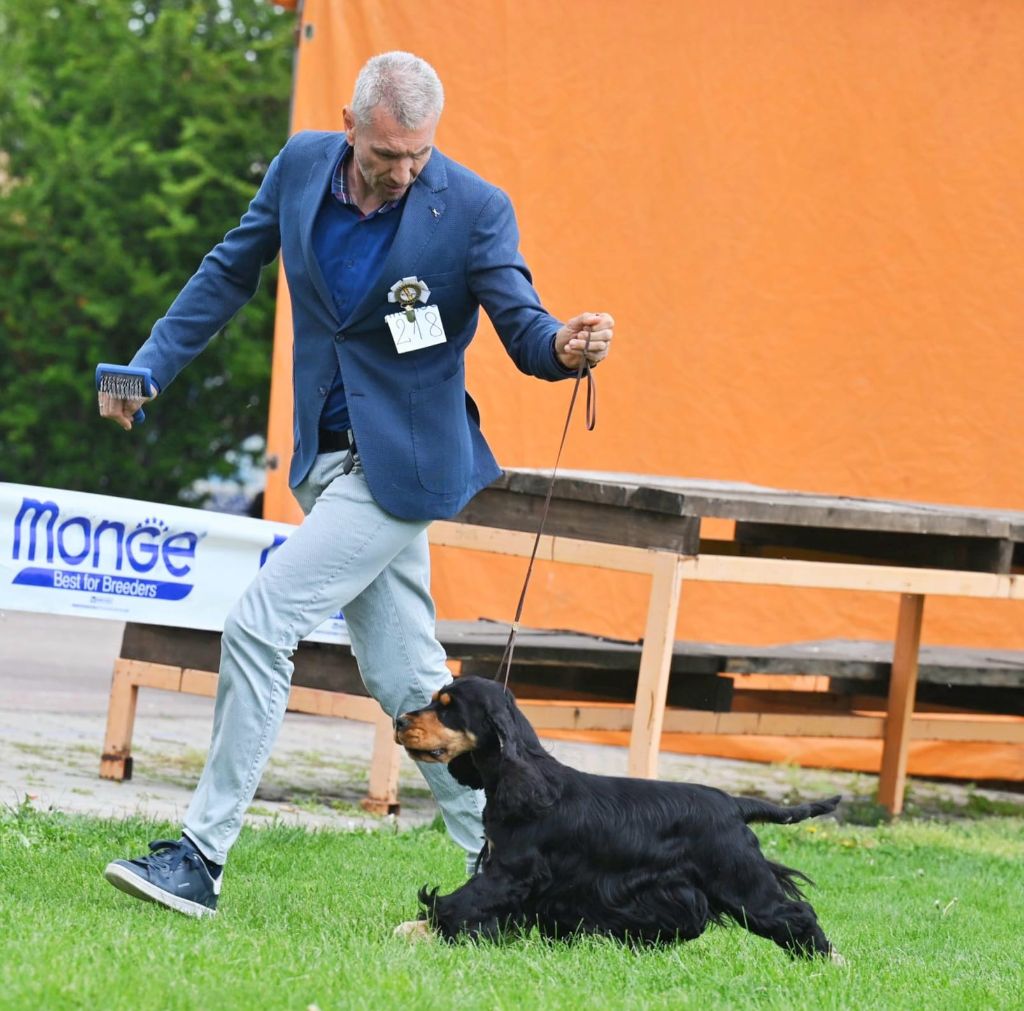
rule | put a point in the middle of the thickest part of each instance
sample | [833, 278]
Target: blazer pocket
[442, 280]
[440, 436]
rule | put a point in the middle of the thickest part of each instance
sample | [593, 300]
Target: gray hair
[407, 86]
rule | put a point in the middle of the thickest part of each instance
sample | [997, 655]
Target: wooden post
[116, 762]
[655, 663]
[382, 797]
[900, 711]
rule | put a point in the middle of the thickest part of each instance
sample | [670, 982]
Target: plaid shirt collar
[339, 189]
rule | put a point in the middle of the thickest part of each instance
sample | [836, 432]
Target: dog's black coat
[575, 853]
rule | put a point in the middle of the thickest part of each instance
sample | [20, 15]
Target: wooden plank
[772, 700]
[777, 724]
[747, 502]
[571, 681]
[382, 797]
[575, 653]
[960, 697]
[317, 664]
[151, 675]
[323, 703]
[199, 682]
[757, 571]
[652, 682]
[839, 576]
[171, 645]
[929, 551]
[569, 717]
[130, 675]
[871, 661]
[116, 759]
[553, 716]
[538, 650]
[541, 649]
[603, 522]
[484, 641]
[900, 710]
[313, 701]
[1006, 560]
[446, 533]
[986, 731]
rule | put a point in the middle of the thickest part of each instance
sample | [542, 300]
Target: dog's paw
[835, 958]
[415, 931]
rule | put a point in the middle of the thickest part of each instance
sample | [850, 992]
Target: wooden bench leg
[655, 664]
[900, 711]
[116, 762]
[383, 794]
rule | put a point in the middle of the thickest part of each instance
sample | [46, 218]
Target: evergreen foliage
[132, 136]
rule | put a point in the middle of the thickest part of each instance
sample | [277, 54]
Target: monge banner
[66, 552]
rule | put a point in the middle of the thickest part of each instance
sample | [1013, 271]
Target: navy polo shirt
[350, 249]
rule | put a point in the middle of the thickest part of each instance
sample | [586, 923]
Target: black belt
[333, 441]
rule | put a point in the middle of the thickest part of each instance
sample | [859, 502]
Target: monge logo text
[97, 555]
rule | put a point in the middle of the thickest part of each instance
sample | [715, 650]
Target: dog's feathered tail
[752, 809]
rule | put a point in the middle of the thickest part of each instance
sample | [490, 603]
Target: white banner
[66, 552]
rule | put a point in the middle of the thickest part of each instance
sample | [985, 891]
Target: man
[371, 223]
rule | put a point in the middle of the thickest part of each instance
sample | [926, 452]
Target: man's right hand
[122, 411]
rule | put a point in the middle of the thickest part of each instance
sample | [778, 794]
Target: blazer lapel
[317, 181]
[420, 216]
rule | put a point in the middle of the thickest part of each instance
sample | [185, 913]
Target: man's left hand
[572, 339]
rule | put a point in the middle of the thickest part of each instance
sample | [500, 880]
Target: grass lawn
[929, 914]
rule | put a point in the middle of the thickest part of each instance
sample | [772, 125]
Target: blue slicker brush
[125, 383]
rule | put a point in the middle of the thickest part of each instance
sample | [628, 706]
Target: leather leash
[583, 369]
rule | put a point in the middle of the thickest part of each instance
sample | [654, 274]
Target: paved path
[54, 680]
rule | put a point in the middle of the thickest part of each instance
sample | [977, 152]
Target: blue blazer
[416, 426]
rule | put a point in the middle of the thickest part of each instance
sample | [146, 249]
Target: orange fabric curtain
[807, 219]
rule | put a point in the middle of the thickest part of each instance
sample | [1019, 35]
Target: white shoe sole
[122, 878]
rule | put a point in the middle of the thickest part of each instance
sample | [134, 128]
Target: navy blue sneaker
[173, 875]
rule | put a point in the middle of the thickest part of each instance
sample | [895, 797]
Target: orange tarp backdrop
[808, 221]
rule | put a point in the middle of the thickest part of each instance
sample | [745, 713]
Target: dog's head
[474, 725]
[464, 716]
[443, 730]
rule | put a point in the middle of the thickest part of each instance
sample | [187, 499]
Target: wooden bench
[676, 530]
[570, 680]
[326, 682]
[186, 660]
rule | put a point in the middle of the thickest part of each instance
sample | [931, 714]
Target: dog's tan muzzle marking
[427, 739]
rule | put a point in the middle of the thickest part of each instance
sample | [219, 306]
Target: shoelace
[167, 854]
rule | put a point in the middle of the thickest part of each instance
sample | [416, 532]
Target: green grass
[929, 915]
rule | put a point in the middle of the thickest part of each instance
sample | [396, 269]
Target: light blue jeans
[348, 553]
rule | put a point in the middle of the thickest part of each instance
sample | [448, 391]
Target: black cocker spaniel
[574, 853]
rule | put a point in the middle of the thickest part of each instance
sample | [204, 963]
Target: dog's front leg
[487, 906]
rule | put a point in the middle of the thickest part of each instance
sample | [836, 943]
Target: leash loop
[583, 369]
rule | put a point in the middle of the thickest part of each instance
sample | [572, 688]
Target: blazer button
[322, 390]
[339, 337]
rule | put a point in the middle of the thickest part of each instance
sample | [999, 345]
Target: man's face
[388, 157]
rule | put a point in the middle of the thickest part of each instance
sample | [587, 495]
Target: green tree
[132, 136]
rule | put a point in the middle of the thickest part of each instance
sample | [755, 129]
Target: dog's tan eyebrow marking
[445, 699]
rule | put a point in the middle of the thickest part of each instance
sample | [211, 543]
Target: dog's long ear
[464, 771]
[522, 790]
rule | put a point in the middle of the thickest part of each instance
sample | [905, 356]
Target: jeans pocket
[326, 468]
